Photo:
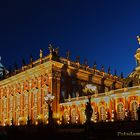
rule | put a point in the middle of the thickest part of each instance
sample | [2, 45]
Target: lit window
[73, 116]
[120, 111]
[102, 113]
[25, 104]
[134, 107]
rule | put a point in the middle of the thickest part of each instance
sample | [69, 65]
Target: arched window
[102, 113]
[73, 116]
[25, 105]
[82, 115]
[46, 112]
[17, 107]
[120, 111]
[66, 116]
[45, 105]
[134, 106]
[11, 110]
[4, 108]
[35, 104]
[93, 115]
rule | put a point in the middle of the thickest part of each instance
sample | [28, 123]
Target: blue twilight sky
[97, 30]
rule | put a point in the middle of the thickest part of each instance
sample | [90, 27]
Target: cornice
[31, 72]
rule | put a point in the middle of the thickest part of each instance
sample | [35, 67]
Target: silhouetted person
[12, 121]
[29, 121]
[88, 111]
[138, 112]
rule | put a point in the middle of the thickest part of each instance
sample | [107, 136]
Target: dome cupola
[3, 70]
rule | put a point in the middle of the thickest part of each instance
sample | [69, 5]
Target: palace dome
[138, 50]
[3, 70]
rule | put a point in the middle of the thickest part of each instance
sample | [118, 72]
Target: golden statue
[138, 38]
[41, 53]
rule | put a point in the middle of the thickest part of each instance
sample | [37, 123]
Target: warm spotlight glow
[58, 122]
[47, 122]
[36, 123]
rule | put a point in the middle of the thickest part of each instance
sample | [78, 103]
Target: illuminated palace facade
[22, 91]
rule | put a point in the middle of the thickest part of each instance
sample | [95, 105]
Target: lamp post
[49, 99]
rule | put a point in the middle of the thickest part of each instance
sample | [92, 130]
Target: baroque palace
[23, 91]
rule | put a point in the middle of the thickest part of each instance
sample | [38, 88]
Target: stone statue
[68, 54]
[94, 65]
[41, 53]
[109, 70]
[56, 51]
[53, 53]
[50, 48]
[88, 111]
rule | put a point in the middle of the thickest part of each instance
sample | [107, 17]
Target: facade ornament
[77, 58]
[94, 65]
[41, 53]
[56, 74]
[31, 61]
[50, 48]
[78, 61]
[68, 55]
[77, 95]
[53, 53]
[102, 68]
[109, 70]
[85, 62]
[57, 51]
[69, 97]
